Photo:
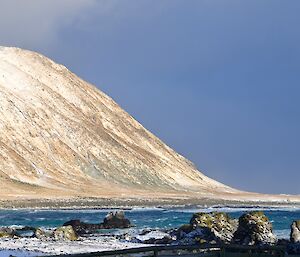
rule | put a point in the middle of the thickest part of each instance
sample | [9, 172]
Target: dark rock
[82, 228]
[165, 240]
[186, 228]
[116, 220]
[293, 248]
[254, 229]
[111, 221]
[295, 232]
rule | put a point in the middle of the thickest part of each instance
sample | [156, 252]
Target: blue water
[141, 218]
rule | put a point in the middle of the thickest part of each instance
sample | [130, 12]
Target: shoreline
[130, 203]
[104, 240]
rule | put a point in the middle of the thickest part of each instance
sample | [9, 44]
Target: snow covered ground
[83, 245]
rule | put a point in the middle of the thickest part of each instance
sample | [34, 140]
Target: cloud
[35, 23]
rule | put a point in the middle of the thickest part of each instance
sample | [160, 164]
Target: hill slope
[62, 137]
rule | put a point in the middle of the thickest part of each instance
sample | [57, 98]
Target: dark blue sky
[216, 80]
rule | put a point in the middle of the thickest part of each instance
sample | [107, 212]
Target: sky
[216, 80]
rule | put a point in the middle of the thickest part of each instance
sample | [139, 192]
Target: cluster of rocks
[60, 233]
[112, 220]
[70, 231]
[210, 228]
[252, 228]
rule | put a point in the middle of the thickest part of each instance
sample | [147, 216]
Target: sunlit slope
[62, 137]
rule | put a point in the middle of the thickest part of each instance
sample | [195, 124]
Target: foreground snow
[83, 245]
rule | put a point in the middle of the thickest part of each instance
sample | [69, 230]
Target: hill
[61, 137]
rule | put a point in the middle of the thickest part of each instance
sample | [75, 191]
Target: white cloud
[35, 23]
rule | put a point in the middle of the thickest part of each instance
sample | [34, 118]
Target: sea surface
[142, 218]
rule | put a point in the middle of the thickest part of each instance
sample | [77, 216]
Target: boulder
[217, 226]
[254, 229]
[295, 232]
[111, 221]
[42, 235]
[7, 232]
[206, 228]
[82, 228]
[65, 233]
[186, 228]
[116, 220]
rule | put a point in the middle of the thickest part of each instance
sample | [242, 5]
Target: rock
[65, 233]
[293, 248]
[254, 229]
[116, 220]
[295, 232]
[217, 226]
[162, 241]
[206, 228]
[7, 233]
[186, 228]
[39, 234]
[112, 220]
[82, 228]
[42, 235]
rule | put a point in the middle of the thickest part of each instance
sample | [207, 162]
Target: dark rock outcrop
[116, 220]
[254, 229]
[111, 221]
[82, 228]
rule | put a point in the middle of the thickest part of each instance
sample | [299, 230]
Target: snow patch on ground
[83, 245]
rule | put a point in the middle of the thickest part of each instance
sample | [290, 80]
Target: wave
[232, 209]
[283, 233]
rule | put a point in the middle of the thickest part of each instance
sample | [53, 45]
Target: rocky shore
[215, 228]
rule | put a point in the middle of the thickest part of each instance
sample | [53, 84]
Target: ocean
[142, 218]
